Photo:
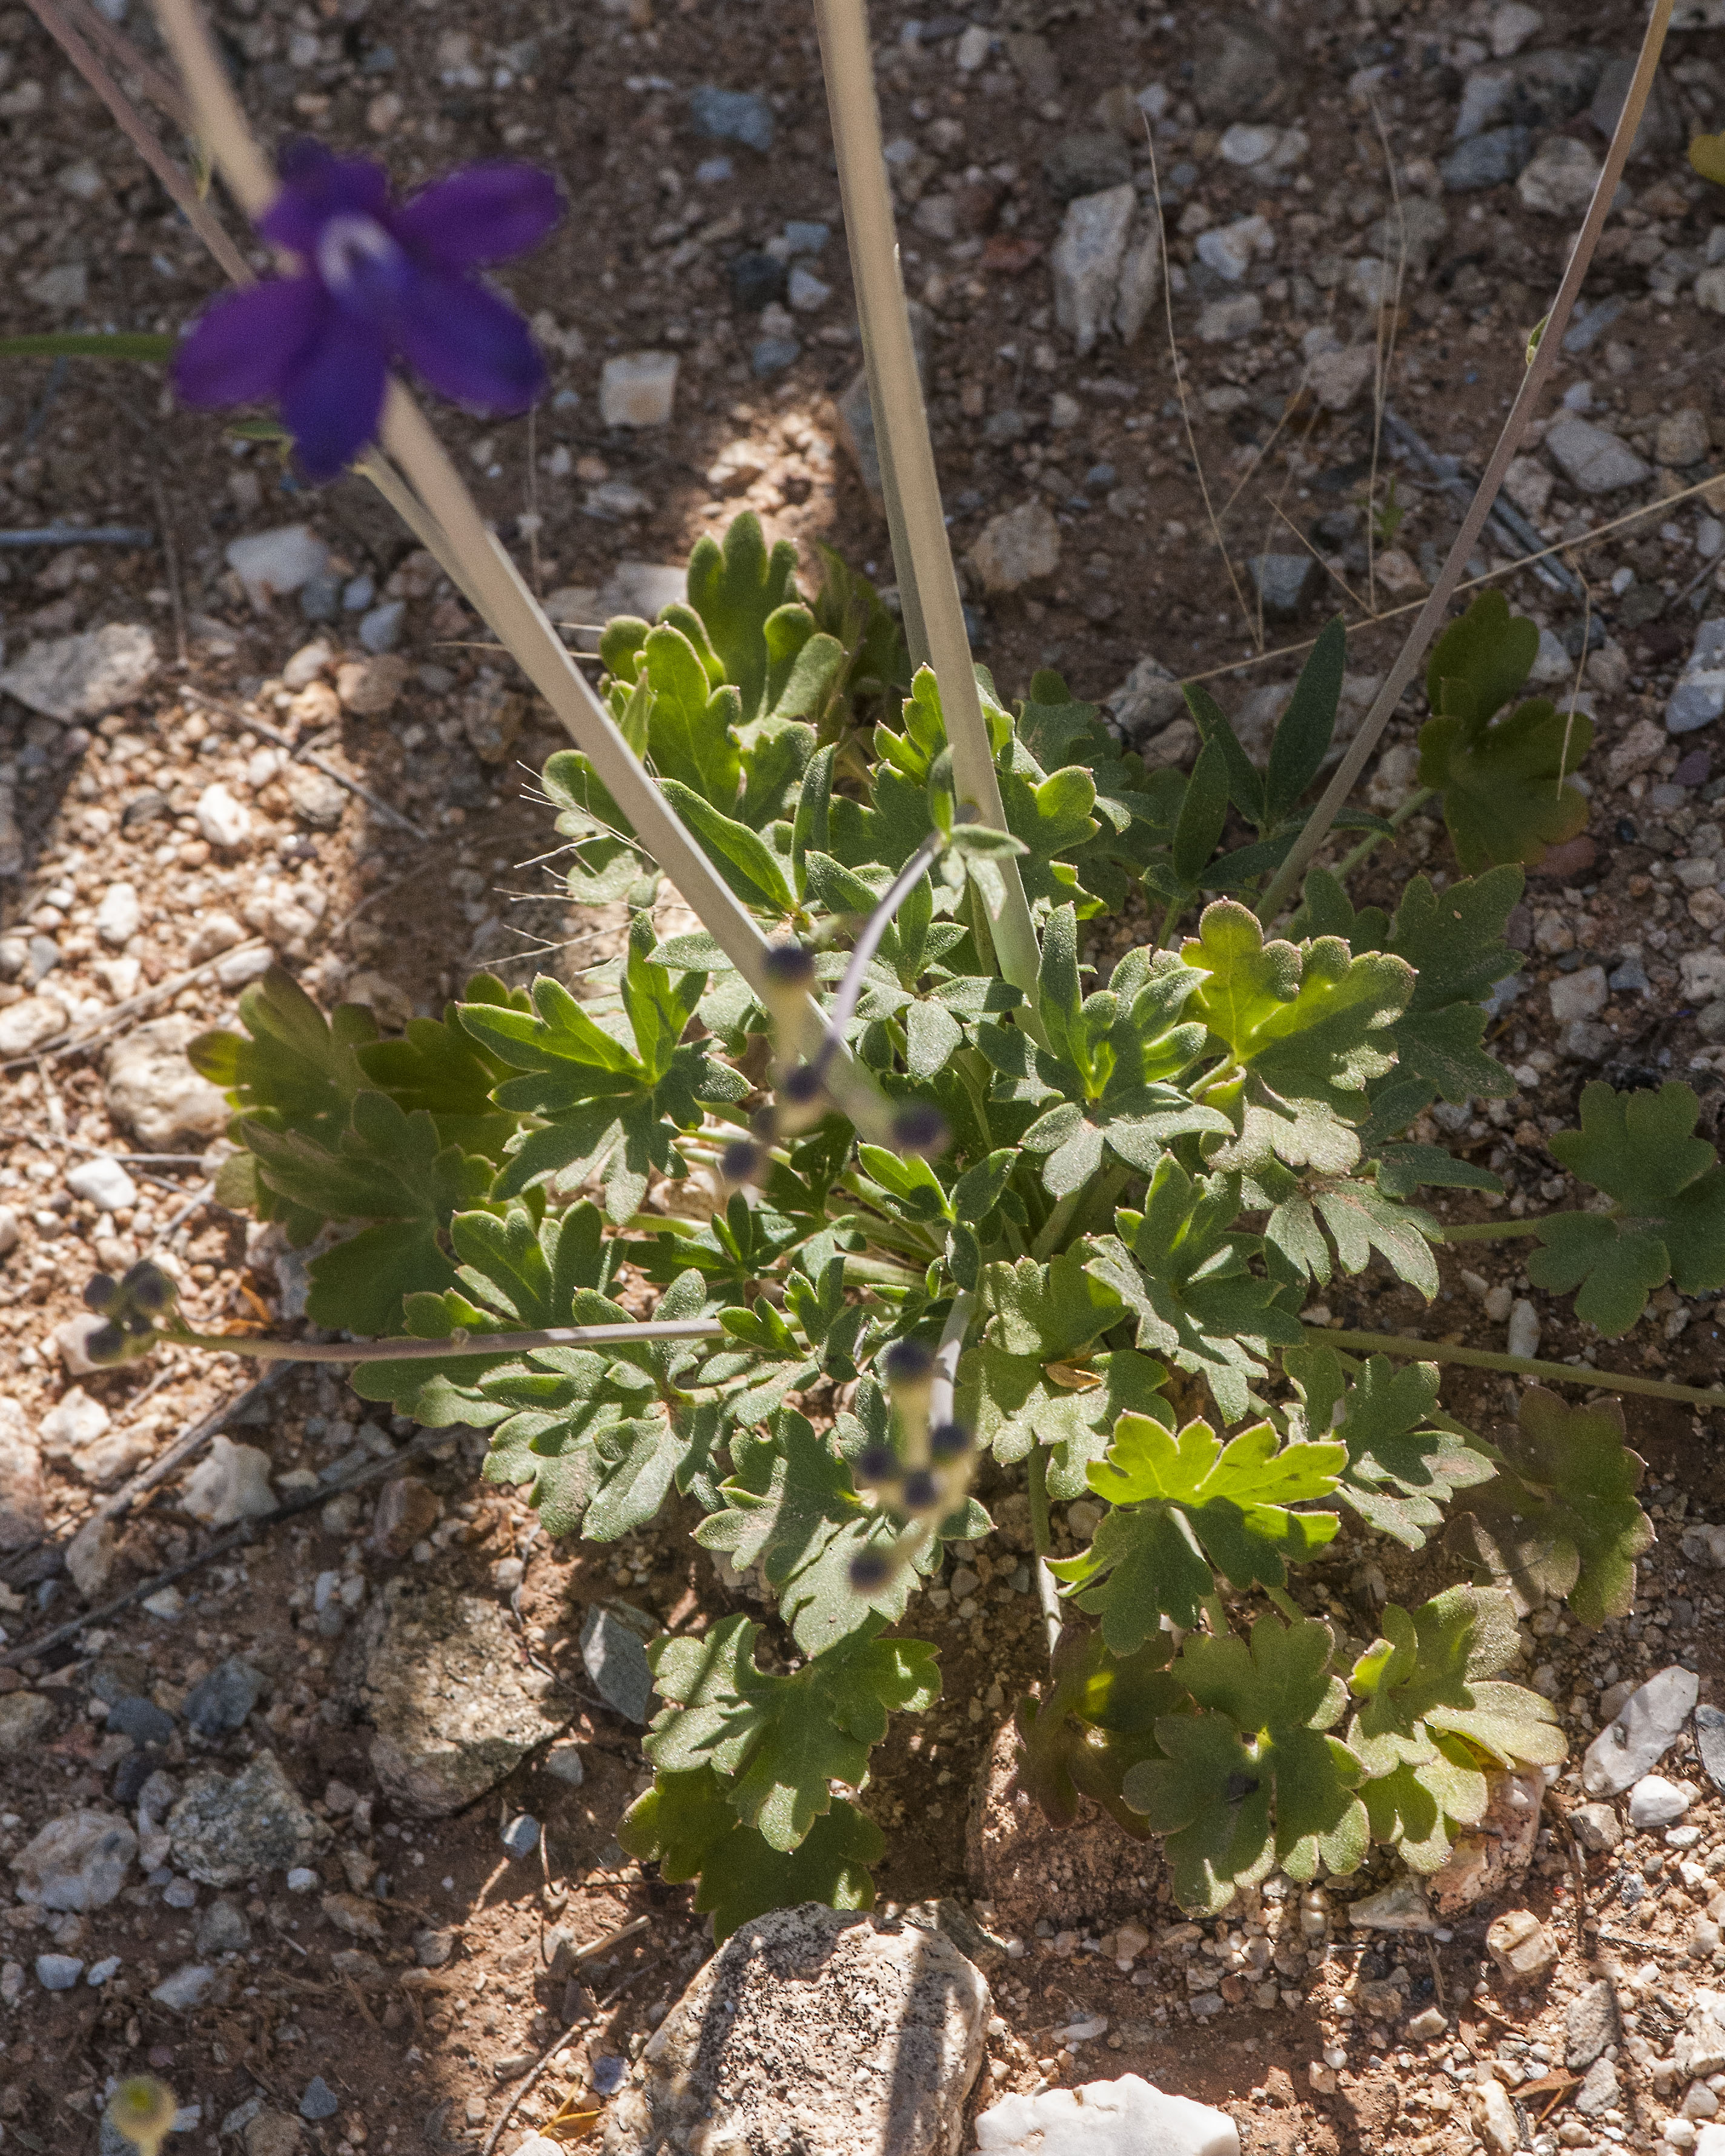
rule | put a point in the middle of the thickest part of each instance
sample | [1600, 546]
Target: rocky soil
[324, 1831]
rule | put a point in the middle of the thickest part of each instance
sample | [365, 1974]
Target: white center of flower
[347, 245]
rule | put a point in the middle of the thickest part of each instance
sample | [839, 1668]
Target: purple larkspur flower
[379, 281]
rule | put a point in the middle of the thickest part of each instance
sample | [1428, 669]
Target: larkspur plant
[971, 1202]
[1127, 1195]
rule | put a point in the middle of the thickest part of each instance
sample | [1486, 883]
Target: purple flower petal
[468, 344]
[484, 214]
[317, 187]
[249, 343]
[332, 406]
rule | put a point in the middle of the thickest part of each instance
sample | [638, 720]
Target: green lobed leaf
[1180, 1504]
[1560, 1518]
[1669, 1219]
[685, 1824]
[1095, 1720]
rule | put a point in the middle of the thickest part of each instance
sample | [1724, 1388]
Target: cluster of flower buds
[925, 1476]
[134, 1306]
[912, 1127]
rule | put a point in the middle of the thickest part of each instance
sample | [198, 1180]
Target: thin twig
[582, 2021]
[1322, 561]
[305, 755]
[247, 1531]
[1173, 346]
[193, 208]
[162, 90]
[1389, 321]
[1435, 609]
[53, 1051]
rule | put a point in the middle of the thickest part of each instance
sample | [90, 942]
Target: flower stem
[264, 1350]
[1076, 1208]
[1513, 1366]
[1431, 615]
[1047, 1592]
[1491, 1231]
[934, 613]
[1286, 1603]
[469, 550]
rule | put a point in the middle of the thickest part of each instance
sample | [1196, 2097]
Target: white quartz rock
[1125, 2118]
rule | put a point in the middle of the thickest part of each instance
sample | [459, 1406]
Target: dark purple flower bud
[907, 1362]
[101, 1290]
[916, 1128]
[801, 1087]
[741, 1162]
[921, 1491]
[948, 1440]
[876, 1464]
[106, 1344]
[871, 1569]
[378, 283]
[788, 966]
[147, 1287]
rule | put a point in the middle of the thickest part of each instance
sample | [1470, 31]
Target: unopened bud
[870, 1569]
[921, 1491]
[919, 1128]
[100, 1291]
[788, 966]
[907, 1364]
[741, 1162]
[948, 1440]
[876, 1464]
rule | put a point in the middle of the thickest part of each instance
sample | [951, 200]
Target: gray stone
[150, 1090]
[218, 1704]
[1597, 1826]
[78, 1862]
[1592, 458]
[1416, 226]
[1583, 993]
[22, 1516]
[438, 1673]
[613, 1653]
[1087, 261]
[1590, 2022]
[1238, 70]
[1086, 164]
[141, 1720]
[58, 1972]
[1487, 160]
[815, 2030]
[1283, 582]
[772, 355]
[1710, 1742]
[1644, 1728]
[1225, 322]
[319, 2100]
[25, 1718]
[1560, 177]
[1402, 1908]
[1683, 437]
[521, 1837]
[1661, 132]
[732, 116]
[275, 563]
[1655, 1801]
[1699, 697]
[223, 1929]
[187, 1986]
[225, 1830]
[1149, 699]
[1017, 547]
[1700, 2048]
[1599, 2092]
[78, 678]
[565, 1763]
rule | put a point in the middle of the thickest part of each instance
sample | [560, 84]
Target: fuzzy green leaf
[1257, 1749]
[1406, 1458]
[1176, 1502]
[1095, 1720]
[1669, 1220]
[1503, 796]
[780, 1742]
[1479, 662]
[1561, 1517]
[735, 588]
[685, 1823]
